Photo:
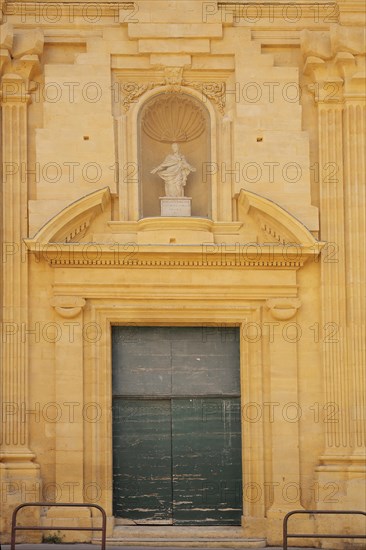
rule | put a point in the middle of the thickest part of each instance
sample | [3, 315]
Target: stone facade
[275, 243]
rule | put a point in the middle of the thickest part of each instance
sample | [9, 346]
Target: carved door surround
[240, 274]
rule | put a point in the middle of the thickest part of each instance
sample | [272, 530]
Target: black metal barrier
[14, 527]
[287, 535]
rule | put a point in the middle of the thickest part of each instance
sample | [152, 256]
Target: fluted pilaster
[337, 71]
[19, 475]
[14, 268]
[333, 279]
[355, 208]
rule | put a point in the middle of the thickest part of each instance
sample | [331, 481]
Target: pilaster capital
[326, 44]
[283, 309]
[353, 71]
[68, 307]
[315, 44]
[335, 62]
[19, 62]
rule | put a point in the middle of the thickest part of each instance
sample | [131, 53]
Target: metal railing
[287, 535]
[15, 528]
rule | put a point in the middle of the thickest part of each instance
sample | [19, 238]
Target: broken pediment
[274, 224]
[264, 235]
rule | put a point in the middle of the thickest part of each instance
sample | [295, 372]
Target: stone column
[19, 475]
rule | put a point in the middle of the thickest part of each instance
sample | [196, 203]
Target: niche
[170, 118]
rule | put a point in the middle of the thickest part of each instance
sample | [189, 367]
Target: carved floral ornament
[173, 82]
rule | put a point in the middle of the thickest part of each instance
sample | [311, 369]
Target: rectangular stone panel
[175, 207]
[175, 30]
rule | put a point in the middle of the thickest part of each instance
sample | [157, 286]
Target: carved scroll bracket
[68, 307]
[283, 309]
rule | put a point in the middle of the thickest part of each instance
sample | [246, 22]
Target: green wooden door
[142, 461]
[176, 425]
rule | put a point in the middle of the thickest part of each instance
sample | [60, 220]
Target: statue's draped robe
[174, 170]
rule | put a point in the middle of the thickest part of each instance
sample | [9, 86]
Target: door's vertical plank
[206, 448]
[142, 460]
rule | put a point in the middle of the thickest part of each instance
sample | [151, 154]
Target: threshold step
[187, 543]
[176, 531]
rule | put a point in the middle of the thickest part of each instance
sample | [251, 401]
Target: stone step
[173, 531]
[182, 537]
[186, 543]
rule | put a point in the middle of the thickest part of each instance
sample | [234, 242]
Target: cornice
[65, 9]
[240, 255]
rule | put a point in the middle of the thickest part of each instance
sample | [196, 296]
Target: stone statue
[174, 170]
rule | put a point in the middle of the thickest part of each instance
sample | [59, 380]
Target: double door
[176, 425]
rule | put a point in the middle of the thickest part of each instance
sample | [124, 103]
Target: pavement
[97, 547]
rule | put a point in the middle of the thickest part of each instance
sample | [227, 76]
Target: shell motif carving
[173, 119]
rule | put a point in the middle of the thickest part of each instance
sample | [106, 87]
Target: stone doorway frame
[98, 389]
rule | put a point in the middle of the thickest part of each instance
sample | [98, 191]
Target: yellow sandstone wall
[283, 88]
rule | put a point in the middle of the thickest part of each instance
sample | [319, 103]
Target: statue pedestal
[175, 206]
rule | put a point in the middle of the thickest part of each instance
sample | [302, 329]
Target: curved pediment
[71, 224]
[274, 223]
[264, 235]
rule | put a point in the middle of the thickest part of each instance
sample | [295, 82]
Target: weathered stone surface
[273, 245]
[7, 36]
[28, 43]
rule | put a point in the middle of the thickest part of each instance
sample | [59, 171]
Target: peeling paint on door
[176, 426]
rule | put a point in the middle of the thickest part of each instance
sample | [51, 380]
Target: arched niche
[168, 118]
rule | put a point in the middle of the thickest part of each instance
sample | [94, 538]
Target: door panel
[143, 356]
[199, 368]
[206, 451]
[142, 460]
[176, 425]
